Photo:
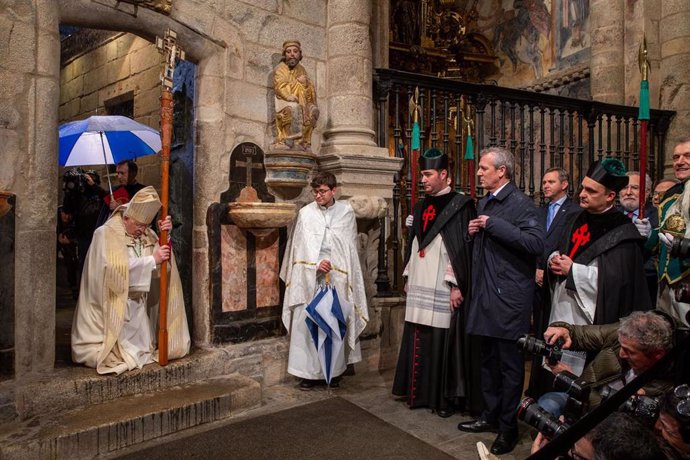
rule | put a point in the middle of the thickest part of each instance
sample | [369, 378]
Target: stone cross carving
[249, 164]
[168, 47]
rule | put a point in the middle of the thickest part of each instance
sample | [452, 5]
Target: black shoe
[306, 384]
[445, 413]
[505, 442]
[477, 426]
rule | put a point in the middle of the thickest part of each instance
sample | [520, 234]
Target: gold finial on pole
[414, 105]
[642, 59]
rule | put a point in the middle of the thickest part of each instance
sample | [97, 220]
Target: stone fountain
[260, 218]
[251, 214]
[246, 238]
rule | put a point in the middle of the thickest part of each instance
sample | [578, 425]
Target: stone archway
[31, 129]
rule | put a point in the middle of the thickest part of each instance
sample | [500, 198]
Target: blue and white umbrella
[326, 321]
[105, 139]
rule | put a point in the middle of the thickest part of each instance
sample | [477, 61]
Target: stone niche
[246, 291]
[7, 253]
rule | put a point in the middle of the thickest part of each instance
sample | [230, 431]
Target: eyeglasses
[320, 192]
[682, 392]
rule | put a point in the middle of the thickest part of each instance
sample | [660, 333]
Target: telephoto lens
[536, 416]
[534, 346]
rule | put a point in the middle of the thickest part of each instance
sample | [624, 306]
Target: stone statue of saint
[295, 99]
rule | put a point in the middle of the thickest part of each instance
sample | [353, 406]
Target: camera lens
[533, 414]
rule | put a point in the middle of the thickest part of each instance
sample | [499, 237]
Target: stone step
[78, 386]
[103, 428]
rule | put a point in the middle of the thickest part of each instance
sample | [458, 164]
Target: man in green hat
[597, 273]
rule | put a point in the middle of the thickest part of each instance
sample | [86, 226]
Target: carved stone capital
[368, 207]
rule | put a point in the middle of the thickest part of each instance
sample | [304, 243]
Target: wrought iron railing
[542, 130]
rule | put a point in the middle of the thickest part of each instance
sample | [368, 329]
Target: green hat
[610, 173]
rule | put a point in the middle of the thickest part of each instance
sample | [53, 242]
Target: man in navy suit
[508, 238]
[558, 205]
[553, 214]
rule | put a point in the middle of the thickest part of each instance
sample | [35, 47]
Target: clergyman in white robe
[322, 233]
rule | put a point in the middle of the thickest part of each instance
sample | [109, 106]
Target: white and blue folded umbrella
[326, 322]
[105, 139]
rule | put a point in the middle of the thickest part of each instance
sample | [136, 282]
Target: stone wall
[123, 67]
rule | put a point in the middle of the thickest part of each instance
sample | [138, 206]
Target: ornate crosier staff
[643, 116]
[168, 47]
[416, 145]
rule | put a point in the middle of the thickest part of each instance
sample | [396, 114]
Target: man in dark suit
[508, 238]
[553, 214]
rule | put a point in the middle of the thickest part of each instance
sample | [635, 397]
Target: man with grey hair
[629, 198]
[508, 238]
[624, 350]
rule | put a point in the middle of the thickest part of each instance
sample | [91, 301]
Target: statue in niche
[295, 99]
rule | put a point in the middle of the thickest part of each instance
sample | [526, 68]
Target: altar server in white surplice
[323, 241]
[115, 323]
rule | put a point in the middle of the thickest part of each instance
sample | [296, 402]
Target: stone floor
[371, 392]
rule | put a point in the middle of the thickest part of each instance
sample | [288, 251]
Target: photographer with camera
[624, 350]
[673, 425]
[83, 200]
[619, 436]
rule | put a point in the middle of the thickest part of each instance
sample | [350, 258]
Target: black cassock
[439, 368]
[616, 245]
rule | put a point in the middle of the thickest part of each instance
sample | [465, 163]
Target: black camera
[578, 394]
[552, 353]
[536, 416]
[680, 248]
[73, 180]
[643, 407]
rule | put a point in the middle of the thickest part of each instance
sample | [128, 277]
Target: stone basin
[261, 218]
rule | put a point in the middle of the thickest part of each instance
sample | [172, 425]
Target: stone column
[349, 148]
[674, 75]
[606, 22]
[350, 118]
[30, 66]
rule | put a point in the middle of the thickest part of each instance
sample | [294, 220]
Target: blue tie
[551, 214]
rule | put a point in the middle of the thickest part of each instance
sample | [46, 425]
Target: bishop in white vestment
[115, 323]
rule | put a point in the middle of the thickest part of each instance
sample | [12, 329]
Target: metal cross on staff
[168, 47]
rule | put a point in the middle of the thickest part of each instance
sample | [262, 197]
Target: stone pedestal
[288, 171]
[361, 170]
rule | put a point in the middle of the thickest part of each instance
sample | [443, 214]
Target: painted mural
[535, 37]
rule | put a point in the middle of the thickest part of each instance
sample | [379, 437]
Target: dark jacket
[607, 366]
[555, 231]
[619, 292]
[504, 259]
